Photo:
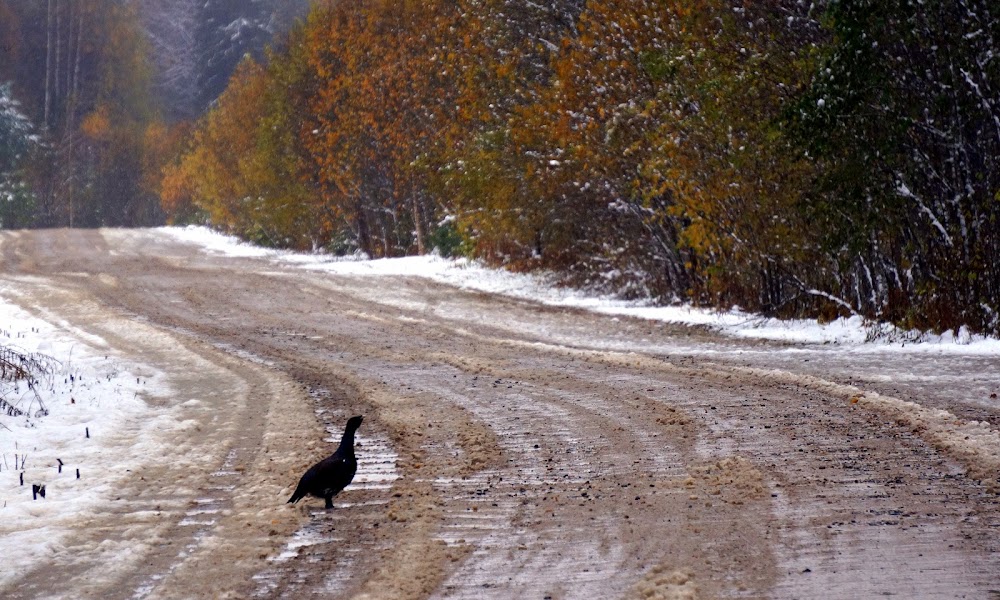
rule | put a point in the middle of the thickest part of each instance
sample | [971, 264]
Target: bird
[329, 476]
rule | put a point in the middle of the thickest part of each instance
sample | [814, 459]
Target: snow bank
[216, 242]
[89, 391]
[464, 274]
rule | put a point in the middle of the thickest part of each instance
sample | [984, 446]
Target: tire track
[527, 451]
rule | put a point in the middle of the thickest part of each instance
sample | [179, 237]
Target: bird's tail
[295, 497]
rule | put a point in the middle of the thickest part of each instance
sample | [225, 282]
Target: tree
[723, 168]
[583, 141]
[904, 117]
[380, 117]
[244, 168]
[83, 76]
[170, 27]
[228, 30]
[17, 140]
[791, 158]
[497, 60]
[108, 119]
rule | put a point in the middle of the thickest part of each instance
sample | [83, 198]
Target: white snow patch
[89, 390]
[216, 242]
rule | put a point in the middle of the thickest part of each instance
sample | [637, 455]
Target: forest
[97, 96]
[794, 159]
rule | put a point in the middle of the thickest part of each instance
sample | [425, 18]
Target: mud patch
[732, 480]
[257, 521]
[663, 583]
[420, 425]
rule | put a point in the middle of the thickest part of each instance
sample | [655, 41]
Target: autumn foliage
[761, 154]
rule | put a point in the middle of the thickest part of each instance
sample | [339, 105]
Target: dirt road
[509, 450]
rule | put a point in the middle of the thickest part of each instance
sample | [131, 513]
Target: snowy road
[509, 449]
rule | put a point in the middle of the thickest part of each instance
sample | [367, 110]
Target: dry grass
[17, 366]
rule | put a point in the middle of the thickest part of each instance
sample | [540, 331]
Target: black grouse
[326, 478]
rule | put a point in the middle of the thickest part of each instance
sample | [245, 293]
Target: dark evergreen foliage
[903, 118]
[228, 30]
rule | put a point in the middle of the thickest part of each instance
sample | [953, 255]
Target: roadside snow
[88, 390]
[853, 332]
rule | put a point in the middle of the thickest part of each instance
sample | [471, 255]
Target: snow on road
[89, 391]
[851, 333]
[97, 386]
[974, 443]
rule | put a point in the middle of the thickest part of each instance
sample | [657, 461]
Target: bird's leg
[329, 501]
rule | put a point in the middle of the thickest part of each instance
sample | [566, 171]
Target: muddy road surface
[509, 450]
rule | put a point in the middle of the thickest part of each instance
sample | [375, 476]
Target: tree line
[820, 159]
[791, 158]
[94, 95]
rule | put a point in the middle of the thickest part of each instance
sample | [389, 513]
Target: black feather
[329, 476]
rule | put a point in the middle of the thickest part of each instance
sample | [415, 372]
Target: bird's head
[354, 422]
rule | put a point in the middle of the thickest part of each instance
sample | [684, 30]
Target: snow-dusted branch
[905, 191]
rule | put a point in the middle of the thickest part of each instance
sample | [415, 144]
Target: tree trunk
[71, 112]
[418, 222]
[58, 46]
[76, 66]
[364, 232]
[48, 67]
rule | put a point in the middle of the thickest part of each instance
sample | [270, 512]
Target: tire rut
[512, 452]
